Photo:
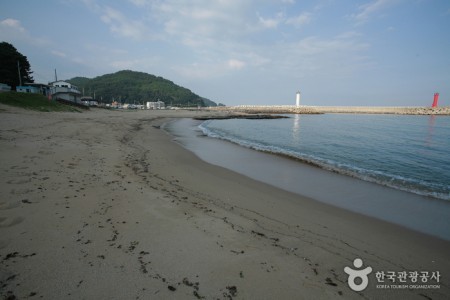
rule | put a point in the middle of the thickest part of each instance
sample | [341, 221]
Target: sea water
[398, 165]
[409, 153]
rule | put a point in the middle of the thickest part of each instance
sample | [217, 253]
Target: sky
[246, 52]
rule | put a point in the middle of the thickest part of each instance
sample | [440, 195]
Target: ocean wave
[398, 182]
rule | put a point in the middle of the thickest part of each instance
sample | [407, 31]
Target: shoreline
[104, 204]
[329, 168]
[293, 175]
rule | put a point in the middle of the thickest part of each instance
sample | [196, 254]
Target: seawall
[290, 109]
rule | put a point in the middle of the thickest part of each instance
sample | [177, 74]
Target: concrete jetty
[291, 109]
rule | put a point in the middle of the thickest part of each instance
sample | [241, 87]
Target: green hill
[138, 87]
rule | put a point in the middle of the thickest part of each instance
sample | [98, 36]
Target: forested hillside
[138, 87]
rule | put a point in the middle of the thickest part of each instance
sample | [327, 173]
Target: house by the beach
[156, 105]
[27, 89]
[89, 101]
[4, 87]
[65, 91]
[36, 88]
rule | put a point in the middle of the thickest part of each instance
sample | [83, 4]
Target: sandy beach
[105, 205]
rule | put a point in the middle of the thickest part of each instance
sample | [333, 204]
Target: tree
[10, 58]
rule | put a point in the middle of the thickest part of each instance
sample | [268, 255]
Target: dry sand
[104, 205]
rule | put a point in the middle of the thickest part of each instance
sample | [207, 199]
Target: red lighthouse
[435, 100]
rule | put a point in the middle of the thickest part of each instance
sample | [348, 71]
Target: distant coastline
[291, 109]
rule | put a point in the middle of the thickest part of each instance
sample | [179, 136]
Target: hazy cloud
[12, 24]
[368, 10]
[11, 30]
[236, 64]
[269, 22]
[348, 35]
[124, 26]
[58, 53]
[140, 3]
[300, 20]
[315, 56]
[201, 19]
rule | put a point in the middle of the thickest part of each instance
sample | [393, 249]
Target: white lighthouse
[297, 99]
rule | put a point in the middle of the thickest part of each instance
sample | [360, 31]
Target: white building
[297, 99]
[156, 105]
[89, 101]
[65, 91]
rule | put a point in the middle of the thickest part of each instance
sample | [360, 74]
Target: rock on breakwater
[241, 116]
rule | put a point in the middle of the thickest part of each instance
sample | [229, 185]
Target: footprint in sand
[21, 191]
[44, 152]
[19, 168]
[10, 221]
[8, 204]
[19, 181]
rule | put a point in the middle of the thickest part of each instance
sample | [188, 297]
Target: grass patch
[34, 102]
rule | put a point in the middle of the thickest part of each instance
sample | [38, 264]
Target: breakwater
[291, 109]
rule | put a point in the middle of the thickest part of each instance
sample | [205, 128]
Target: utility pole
[20, 77]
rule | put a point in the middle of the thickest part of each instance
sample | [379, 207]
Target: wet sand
[105, 205]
